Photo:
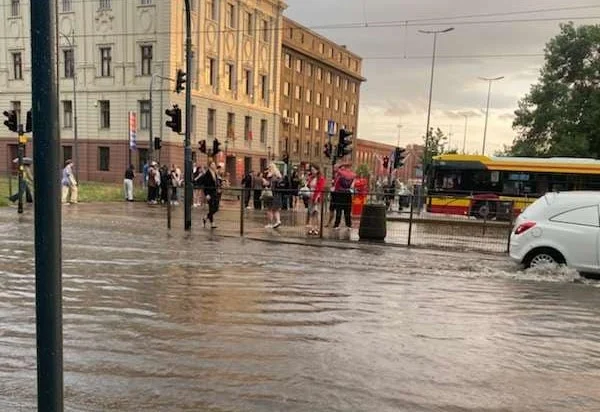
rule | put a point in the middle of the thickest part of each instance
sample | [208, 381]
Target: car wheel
[543, 256]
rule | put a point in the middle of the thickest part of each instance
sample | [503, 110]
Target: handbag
[267, 194]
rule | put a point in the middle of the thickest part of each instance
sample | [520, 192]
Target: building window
[316, 150]
[104, 114]
[308, 96]
[230, 16]
[297, 119]
[211, 123]
[337, 81]
[144, 114]
[285, 113]
[105, 5]
[299, 66]
[67, 114]
[230, 75]
[67, 153]
[353, 109]
[318, 98]
[321, 48]
[15, 8]
[309, 69]
[263, 130]
[105, 61]
[287, 58]
[69, 63]
[307, 122]
[265, 31]
[317, 124]
[211, 10]
[345, 84]
[336, 105]
[319, 73]
[298, 92]
[248, 82]
[16, 106]
[306, 148]
[247, 128]
[248, 23]
[231, 126]
[296, 145]
[211, 71]
[142, 159]
[345, 108]
[327, 102]
[286, 89]
[331, 52]
[17, 66]
[264, 87]
[353, 87]
[67, 6]
[146, 60]
[291, 33]
[104, 159]
[328, 77]
[146, 2]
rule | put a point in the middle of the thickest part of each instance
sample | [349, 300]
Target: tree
[434, 146]
[560, 116]
[363, 171]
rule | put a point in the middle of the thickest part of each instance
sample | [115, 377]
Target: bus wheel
[483, 211]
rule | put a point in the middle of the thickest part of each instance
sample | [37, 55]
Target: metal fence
[408, 221]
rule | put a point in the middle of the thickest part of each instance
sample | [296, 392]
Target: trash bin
[373, 223]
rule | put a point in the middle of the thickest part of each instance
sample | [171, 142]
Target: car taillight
[523, 227]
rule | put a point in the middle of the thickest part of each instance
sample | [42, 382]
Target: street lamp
[487, 110]
[426, 150]
[71, 43]
[466, 116]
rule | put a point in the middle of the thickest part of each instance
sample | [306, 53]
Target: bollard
[169, 214]
[373, 223]
[410, 219]
[322, 215]
[242, 213]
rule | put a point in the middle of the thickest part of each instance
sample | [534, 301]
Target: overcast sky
[397, 60]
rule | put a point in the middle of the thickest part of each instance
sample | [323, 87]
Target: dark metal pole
[242, 212]
[48, 253]
[188, 118]
[151, 143]
[20, 154]
[75, 130]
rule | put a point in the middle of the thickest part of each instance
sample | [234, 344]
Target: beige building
[320, 81]
[114, 49]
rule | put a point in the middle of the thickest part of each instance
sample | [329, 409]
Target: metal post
[242, 213]
[75, 130]
[20, 154]
[487, 110]
[464, 149]
[168, 212]
[410, 219]
[151, 142]
[322, 215]
[188, 118]
[48, 250]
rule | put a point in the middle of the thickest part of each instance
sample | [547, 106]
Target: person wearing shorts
[316, 184]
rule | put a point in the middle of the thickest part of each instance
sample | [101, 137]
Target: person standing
[69, 184]
[257, 187]
[27, 185]
[316, 185]
[196, 175]
[344, 184]
[175, 177]
[294, 186]
[210, 183]
[247, 189]
[128, 183]
[272, 196]
[153, 183]
[145, 173]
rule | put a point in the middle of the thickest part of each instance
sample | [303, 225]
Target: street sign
[330, 127]
[132, 130]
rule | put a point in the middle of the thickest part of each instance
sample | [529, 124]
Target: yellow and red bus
[486, 186]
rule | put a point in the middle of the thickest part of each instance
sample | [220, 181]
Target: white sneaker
[276, 225]
[248, 208]
[269, 227]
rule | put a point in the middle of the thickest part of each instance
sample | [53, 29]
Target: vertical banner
[132, 130]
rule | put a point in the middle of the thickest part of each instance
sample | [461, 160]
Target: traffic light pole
[187, 173]
[20, 154]
[48, 249]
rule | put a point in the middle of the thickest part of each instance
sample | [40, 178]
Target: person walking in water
[272, 198]
[210, 183]
[316, 184]
[69, 184]
[128, 183]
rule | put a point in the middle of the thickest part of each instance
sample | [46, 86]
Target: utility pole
[188, 117]
[151, 137]
[20, 154]
[464, 147]
[487, 110]
[48, 250]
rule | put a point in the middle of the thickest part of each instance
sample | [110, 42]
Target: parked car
[559, 228]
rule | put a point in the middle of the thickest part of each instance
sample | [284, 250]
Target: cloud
[460, 114]
[507, 116]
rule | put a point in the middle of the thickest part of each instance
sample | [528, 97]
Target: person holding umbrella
[69, 184]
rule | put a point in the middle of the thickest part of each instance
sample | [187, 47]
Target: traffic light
[285, 158]
[386, 162]
[202, 146]
[11, 121]
[157, 143]
[216, 147]
[180, 82]
[345, 143]
[175, 115]
[399, 157]
[327, 150]
[28, 122]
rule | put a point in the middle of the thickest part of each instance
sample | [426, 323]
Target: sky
[487, 41]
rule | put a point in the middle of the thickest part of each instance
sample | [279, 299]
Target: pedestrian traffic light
[180, 82]
[216, 147]
[202, 146]
[386, 162]
[345, 143]
[157, 143]
[175, 115]
[11, 121]
[28, 122]
[327, 150]
[399, 157]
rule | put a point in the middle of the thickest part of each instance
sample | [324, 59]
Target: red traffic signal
[175, 115]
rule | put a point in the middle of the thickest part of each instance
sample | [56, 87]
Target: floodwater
[157, 322]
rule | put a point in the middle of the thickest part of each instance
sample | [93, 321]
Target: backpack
[346, 184]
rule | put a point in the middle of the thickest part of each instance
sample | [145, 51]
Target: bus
[501, 187]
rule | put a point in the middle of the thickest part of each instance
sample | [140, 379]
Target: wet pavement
[171, 322]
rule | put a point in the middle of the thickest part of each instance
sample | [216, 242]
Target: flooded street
[159, 322]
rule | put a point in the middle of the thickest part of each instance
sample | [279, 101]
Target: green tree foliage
[434, 145]
[560, 116]
[363, 170]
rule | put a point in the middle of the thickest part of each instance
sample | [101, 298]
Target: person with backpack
[153, 183]
[343, 187]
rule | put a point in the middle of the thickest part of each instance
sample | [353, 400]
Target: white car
[559, 228]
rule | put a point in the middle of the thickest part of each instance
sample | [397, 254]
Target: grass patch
[89, 192]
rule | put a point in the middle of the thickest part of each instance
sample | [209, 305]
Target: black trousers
[213, 207]
[152, 193]
[257, 201]
[246, 194]
[343, 205]
[26, 191]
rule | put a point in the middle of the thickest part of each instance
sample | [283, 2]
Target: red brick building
[371, 153]
[411, 171]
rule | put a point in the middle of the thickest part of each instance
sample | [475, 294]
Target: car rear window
[582, 216]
